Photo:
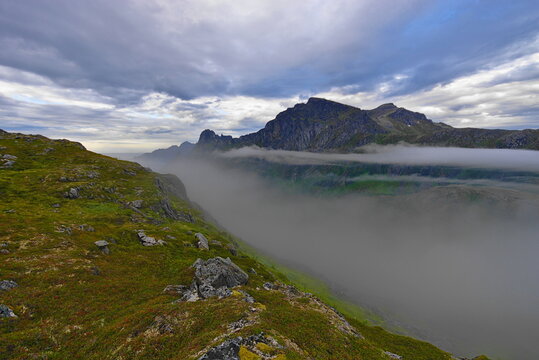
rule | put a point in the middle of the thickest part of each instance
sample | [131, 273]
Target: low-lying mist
[458, 273]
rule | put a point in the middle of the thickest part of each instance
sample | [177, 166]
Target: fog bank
[525, 160]
[461, 275]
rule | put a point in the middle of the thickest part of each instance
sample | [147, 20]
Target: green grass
[74, 302]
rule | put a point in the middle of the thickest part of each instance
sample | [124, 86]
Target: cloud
[524, 160]
[131, 66]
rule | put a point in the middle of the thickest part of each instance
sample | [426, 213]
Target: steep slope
[324, 125]
[99, 261]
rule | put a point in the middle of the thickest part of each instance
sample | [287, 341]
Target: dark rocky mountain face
[324, 125]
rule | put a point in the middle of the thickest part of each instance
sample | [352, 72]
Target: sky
[135, 75]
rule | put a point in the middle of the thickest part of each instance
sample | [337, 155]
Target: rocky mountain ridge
[325, 125]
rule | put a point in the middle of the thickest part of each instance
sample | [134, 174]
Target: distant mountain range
[324, 125]
[168, 154]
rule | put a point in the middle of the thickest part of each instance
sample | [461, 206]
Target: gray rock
[86, 227]
[8, 163]
[103, 245]
[233, 251]
[202, 241]
[148, 240]
[252, 271]
[135, 203]
[247, 297]
[4, 251]
[392, 355]
[6, 285]
[269, 286]
[6, 312]
[55, 205]
[72, 193]
[219, 272]
[229, 350]
[9, 157]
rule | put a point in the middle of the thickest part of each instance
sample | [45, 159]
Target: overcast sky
[134, 75]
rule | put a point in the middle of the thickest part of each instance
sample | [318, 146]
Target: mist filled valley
[440, 247]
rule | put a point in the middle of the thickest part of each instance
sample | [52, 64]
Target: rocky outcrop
[213, 278]
[241, 348]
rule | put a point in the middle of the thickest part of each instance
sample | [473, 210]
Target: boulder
[72, 193]
[202, 241]
[103, 245]
[6, 312]
[6, 285]
[219, 272]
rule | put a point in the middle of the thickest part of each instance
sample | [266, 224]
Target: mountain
[324, 125]
[102, 258]
[168, 154]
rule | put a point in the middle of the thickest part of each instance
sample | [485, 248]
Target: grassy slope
[75, 302]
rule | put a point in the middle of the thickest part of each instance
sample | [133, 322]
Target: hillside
[324, 125]
[99, 261]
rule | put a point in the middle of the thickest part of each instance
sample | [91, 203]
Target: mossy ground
[74, 302]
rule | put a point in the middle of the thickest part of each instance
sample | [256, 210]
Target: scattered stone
[170, 237]
[175, 289]
[67, 179]
[6, 285]
[10, 211]
[230, 349]
[252, 271]
[95, 270]
[393, 356]
[47, 150]
[85, 227]
[137, 204]
[247, 297]
[215, 242]
[92, 174]
[103, 245]
[64, 229]
[130, 172]
[189, 232]
[73, 193]
[166, 228]
[202, 241]
[160, 326]
[9, 157]
[110, 190]
[233, 251]
[55, 205]
[8, 163]
[148, 240]
[4, 251]
[6, 312]
[4, 245]
[269, 286]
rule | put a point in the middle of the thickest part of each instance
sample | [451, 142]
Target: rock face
[6, 285]
[321, 125]
[6, 312]
[202, 241]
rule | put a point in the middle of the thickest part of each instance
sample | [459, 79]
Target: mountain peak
[388, 106]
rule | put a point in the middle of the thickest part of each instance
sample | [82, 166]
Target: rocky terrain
[324, 125]
[104, 259]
